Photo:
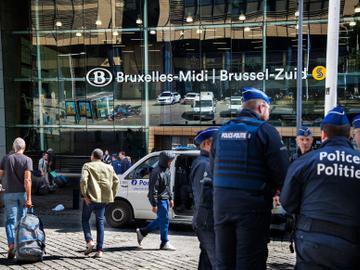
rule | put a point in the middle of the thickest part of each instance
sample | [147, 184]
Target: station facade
[139, 75]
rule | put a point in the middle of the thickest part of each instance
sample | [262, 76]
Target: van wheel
[118, 214]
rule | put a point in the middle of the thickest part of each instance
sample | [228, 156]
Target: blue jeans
[161, 222]
[14, 210]
[99, 209]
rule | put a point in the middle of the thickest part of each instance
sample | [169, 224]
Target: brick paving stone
[65, 244]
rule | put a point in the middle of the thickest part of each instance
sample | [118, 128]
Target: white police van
[131, 201]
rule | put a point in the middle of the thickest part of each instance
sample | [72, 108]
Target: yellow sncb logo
[319, 73]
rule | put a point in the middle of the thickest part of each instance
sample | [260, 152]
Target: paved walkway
[65, 244]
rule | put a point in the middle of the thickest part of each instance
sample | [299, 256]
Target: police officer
[322, 189]
[249, 162]
[200, 177]
[356, 130]
[304, 141]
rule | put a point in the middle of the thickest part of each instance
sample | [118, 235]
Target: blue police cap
[253, 93]
[356, 121]
[304, 131]
[336, 117]
[205, 134]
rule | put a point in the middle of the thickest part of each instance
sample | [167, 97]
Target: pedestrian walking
[322, 189]
[304, 142]
[249, 162]
[201, 181]
[99, 185]
[16, 171]
[356, 130]
[161, 199]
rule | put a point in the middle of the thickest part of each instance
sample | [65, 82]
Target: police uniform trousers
[241, 240]
[316, 251]
[203, 224]
[207, 249]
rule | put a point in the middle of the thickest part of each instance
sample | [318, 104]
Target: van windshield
[236, 102]
[165, 95]
[144, 169]
[203, 103]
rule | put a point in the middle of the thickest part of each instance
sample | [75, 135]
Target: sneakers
[99, 254]
[139, 235]
[168, 246]
[89, 247]
[11, 253]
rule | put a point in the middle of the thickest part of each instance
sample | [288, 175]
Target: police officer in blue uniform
[304, 141]
[249, 162]
[322, 189]
[201, 181]
[356, 130]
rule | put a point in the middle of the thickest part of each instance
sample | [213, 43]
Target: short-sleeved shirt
[14, 167]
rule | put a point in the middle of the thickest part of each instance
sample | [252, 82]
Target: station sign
[100, 77]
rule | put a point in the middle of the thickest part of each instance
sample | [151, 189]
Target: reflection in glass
[254, 41]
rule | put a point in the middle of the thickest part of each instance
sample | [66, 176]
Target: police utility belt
[351, 234]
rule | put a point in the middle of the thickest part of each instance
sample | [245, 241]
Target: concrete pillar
[332, 55]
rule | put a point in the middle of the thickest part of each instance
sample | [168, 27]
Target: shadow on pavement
[56, 258]
[281, 266]
[4, 261]
[129, 248]
[175, 227]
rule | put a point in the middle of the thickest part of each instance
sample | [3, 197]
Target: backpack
[29, 239]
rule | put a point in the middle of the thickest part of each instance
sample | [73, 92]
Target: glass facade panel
[173, 63]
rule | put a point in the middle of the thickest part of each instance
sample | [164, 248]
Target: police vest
[239, 160]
